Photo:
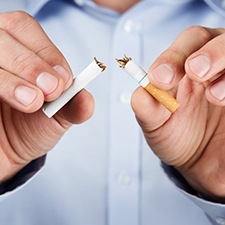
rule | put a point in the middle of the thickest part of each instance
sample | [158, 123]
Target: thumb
[150, 114]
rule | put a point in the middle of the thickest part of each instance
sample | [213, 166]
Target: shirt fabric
[102, 172]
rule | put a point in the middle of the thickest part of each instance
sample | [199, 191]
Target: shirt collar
[33, 6]
[217, 5]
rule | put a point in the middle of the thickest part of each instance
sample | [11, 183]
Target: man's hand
[193, 138]
[32, 71]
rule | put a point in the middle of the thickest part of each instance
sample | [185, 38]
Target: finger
[215, 92]
[26, 30]
[168, 68]
[149, 113]
[22, 62]
[207, 65]
[77, 111]
[208, 61]
[19, 94]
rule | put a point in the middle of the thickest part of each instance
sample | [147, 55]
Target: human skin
[32, 70]
[192, 138]
[117, 5]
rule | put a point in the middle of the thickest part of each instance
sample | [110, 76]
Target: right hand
[32, 71]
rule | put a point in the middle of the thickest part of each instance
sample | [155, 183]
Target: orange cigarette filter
[141, 77]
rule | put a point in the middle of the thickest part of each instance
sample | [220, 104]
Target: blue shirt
[102, 172]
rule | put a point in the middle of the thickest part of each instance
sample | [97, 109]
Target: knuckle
[220, 43]
[19, 14]
[24, 64]
[11, 21]
[200, 32]
[3, 35]
[4, 79]
[176, 54]
[6, 86]
[45, 49]
[50, 53]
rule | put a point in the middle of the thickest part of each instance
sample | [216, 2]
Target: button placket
[125, 97]
[124, 150]
[128, 25]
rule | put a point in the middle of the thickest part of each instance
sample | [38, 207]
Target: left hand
[193, 138]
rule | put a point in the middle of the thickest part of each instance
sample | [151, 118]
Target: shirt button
[125, 98]
[128, 26]
[79, 2]
[220, 220]
[124, 178]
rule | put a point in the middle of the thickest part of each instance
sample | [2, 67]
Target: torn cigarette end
[100, 64]
[124, 61]
[141, 77]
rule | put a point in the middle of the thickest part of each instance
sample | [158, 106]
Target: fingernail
[63, 72]
[47, 82]
[200, 65]
[218, 90]
[25, 95]
[163, 73]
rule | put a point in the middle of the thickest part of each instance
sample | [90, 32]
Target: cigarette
[83, 79]
[141, 77]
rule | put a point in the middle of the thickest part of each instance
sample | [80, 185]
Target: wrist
[8, 168]
[192, 186]
[208, 187]
[22, 176]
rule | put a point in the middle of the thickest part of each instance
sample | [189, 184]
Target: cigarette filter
[141, 77]
[86, 76]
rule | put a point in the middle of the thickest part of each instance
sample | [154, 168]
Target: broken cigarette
[86, 76]
[141, 76]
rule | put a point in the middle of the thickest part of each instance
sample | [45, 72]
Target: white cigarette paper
[82, 80]
[142, 78]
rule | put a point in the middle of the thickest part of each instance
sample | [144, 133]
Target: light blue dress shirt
[102, 172]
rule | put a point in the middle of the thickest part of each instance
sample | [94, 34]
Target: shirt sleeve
[21, 178]
[213, 210]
